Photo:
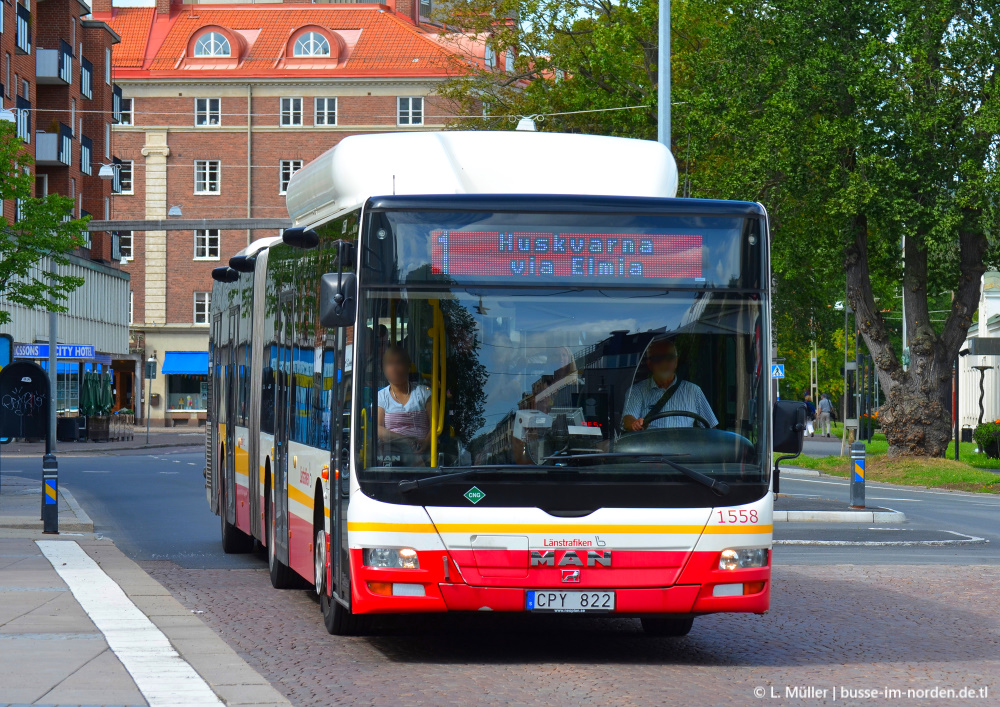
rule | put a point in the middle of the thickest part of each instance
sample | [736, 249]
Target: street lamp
[107, 171]
[175, 211]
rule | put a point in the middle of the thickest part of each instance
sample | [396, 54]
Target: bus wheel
[234, 540]
[339, 620]
[319, 562]
[660, 626]
[281, 576]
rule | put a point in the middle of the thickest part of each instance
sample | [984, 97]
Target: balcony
[54, 66]
[54, 149]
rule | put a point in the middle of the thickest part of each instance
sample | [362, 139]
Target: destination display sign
[548, 255]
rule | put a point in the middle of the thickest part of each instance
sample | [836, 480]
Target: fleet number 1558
[737, 516]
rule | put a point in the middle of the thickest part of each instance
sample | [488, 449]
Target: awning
[189, 362]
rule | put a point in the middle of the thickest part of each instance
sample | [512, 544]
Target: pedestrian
[810, 415]
[825, 410]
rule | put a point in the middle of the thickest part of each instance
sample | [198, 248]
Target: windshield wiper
[720, 488]
[406, 485]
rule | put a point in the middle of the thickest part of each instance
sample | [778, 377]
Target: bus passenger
[663, 391]
[402, 407]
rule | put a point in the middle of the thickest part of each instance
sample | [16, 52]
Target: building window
[206, 244]
[287, 168]
[23, 30]
[311, 44]
[107, 141]
[206, 177]
[207, 111]
[490, 58]
[202, 307]
[86, 158]
[125, 177]
[509, 61]
[131, 306]
[126, 112]
[107, 65]
[212, 44]
[187, 392]
[125, 245]
[23, 110]
[411, 111]
[326, 111]
[291, 111]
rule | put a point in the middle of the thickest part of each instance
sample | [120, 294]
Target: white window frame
[107, 141]
[321, 116]
[307, 42]
[207, 166]
[213, 45]
[86, 158]
[131, 176]
[289, 114]
[204, 299]
[107, 65]
[124, 112]
[286, 168]
[123, 238]
[205, 240]
[86, 81]
[414, 106]
[204, 112]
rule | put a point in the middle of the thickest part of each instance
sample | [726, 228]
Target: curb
[800, 472]
[839, 517]
[99, 451]
[81, 515]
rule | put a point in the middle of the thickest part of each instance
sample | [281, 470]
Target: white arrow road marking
[163, 677]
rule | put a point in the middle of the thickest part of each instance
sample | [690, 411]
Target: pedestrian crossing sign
[777, 370]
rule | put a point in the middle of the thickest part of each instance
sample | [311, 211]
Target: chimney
[162, 7]
[100, 6]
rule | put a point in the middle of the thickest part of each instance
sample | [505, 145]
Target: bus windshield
[570, 381]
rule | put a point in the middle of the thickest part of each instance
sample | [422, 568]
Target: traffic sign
[777, 370]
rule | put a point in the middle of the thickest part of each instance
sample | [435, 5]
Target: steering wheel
[675, 413]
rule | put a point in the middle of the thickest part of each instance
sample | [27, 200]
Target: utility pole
[53, 362]
[663, 76]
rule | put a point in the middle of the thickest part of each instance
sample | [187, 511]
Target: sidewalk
[159, 437]
[21, 503]
[80, 623]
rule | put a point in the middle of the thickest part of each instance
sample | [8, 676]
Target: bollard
[858, 475]
[50, 494]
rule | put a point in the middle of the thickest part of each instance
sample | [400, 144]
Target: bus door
[230, 366]
[216, 474]
[282, 411]
[340, 485]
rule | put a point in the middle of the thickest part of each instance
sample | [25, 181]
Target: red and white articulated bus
[500, 372]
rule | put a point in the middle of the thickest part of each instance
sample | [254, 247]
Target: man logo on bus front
[571, 575]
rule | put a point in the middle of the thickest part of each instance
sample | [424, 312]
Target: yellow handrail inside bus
[364, 436]
[436, 384]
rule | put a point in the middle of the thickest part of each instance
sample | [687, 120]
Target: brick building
[222, 103]
[56, 86]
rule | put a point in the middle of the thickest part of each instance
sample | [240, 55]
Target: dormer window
[313, 47]
[212, 44]
[311, 44]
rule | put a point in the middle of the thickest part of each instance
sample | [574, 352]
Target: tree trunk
[915, 416]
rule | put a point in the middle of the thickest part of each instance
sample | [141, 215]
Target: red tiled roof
[386, 45]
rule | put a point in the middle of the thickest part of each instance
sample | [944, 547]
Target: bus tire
[234, 540]
[662, 626]
[282, 576]
[339, 620]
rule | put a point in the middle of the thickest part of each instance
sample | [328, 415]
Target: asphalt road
[843, 618]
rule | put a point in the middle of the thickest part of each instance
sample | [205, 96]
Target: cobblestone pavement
[830, 628]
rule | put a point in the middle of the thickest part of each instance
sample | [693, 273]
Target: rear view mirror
[789, 423]
[225, 274]
[338, 299]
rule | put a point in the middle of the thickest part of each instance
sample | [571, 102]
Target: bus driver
[663, 391]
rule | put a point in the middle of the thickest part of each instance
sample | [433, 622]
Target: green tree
[856, 123]
[43, 230]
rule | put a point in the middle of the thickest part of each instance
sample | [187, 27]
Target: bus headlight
[404, 558]
[742, 558]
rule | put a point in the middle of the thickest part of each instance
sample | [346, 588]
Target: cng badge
[474, 495]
